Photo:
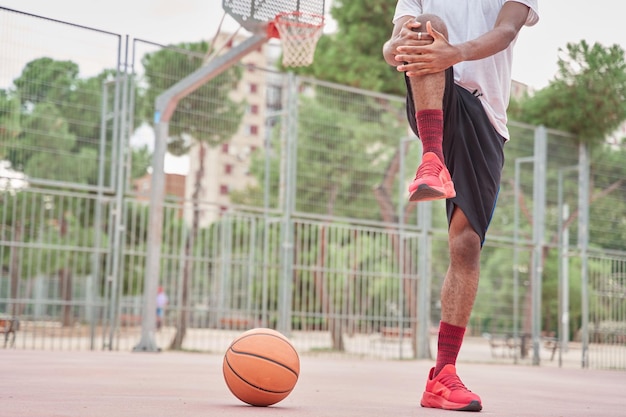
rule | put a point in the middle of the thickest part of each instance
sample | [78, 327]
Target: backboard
[254, 15]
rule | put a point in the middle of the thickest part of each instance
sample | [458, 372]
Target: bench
[130, 320]
[552, 344]
[237, 323]
[9, 326]
[502, 345]
[392, 334]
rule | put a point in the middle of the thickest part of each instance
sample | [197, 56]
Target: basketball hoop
[298, 33]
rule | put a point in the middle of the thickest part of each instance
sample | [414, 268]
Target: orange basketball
[261, 367]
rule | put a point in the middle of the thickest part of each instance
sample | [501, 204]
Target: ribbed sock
[430, 128]
[448, 345]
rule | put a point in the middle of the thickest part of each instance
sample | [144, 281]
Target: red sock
[448, 345]
[430, 128]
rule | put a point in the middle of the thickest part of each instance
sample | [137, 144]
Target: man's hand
[406, 33]
[424, 53]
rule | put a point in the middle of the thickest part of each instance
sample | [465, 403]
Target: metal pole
[563, 210]
[401, 244]
[424, 216]
[155, 231]
[583, 243]
[96, 259]
[401, 240]
[539, 199]
[516, 266]
[564, 289]
[289, 178]
[120, 186]
[424, 212]
[266, 219]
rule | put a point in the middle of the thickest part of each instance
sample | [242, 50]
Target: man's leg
[432, 180]
[459, 288]
[444, 389]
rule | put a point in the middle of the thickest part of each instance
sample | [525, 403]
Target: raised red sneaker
[432, 180]
[446, 391]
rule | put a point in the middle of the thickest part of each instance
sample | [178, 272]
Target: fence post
[288, 175]
[539, 227]
[119, 182]
[424, 212]
[516, 239]
[563, 269]
[583, 244]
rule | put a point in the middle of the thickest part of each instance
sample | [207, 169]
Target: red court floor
[168, 384]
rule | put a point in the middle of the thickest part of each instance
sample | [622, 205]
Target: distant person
[456, 57]
[161, 302]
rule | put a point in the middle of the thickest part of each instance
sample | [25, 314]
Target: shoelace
[453, 382]
[428, 170]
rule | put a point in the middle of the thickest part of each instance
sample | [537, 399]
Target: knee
[437, 23]
[465, 245]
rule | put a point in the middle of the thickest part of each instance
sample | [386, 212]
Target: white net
[299, 33]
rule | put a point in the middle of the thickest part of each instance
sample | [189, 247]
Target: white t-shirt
[466, 20]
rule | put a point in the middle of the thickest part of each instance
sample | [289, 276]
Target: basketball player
[456, 57]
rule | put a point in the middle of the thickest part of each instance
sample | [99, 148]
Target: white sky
[167, 21]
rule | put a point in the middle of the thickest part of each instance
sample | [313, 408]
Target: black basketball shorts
[473, 150]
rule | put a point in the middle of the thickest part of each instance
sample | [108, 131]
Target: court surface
[169, 384]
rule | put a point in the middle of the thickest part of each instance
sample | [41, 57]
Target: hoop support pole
[167, 101]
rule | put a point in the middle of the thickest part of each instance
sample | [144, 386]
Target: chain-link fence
[288, 210]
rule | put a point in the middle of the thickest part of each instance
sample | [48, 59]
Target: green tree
[205, 118]
[141, 160]
[9, 121]
[58, 122]
[45, 79]
[83, 106]
[47, 131]
[587, 97]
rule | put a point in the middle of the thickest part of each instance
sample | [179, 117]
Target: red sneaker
[432, 180]
[446, 391]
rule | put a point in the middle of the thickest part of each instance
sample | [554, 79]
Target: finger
[432, 32]
[413, 73]
[414, 25]
[409, 68]
[406, 59]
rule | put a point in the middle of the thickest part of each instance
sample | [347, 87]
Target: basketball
[261, 367]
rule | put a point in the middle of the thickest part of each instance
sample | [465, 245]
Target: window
[224, 189]
[254, 130]
[254, 109]
[254, 88]
[224, 147]
[228, 169]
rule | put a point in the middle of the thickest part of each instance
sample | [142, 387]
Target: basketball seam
[239, 352]
[263, 357]
[253, 385]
